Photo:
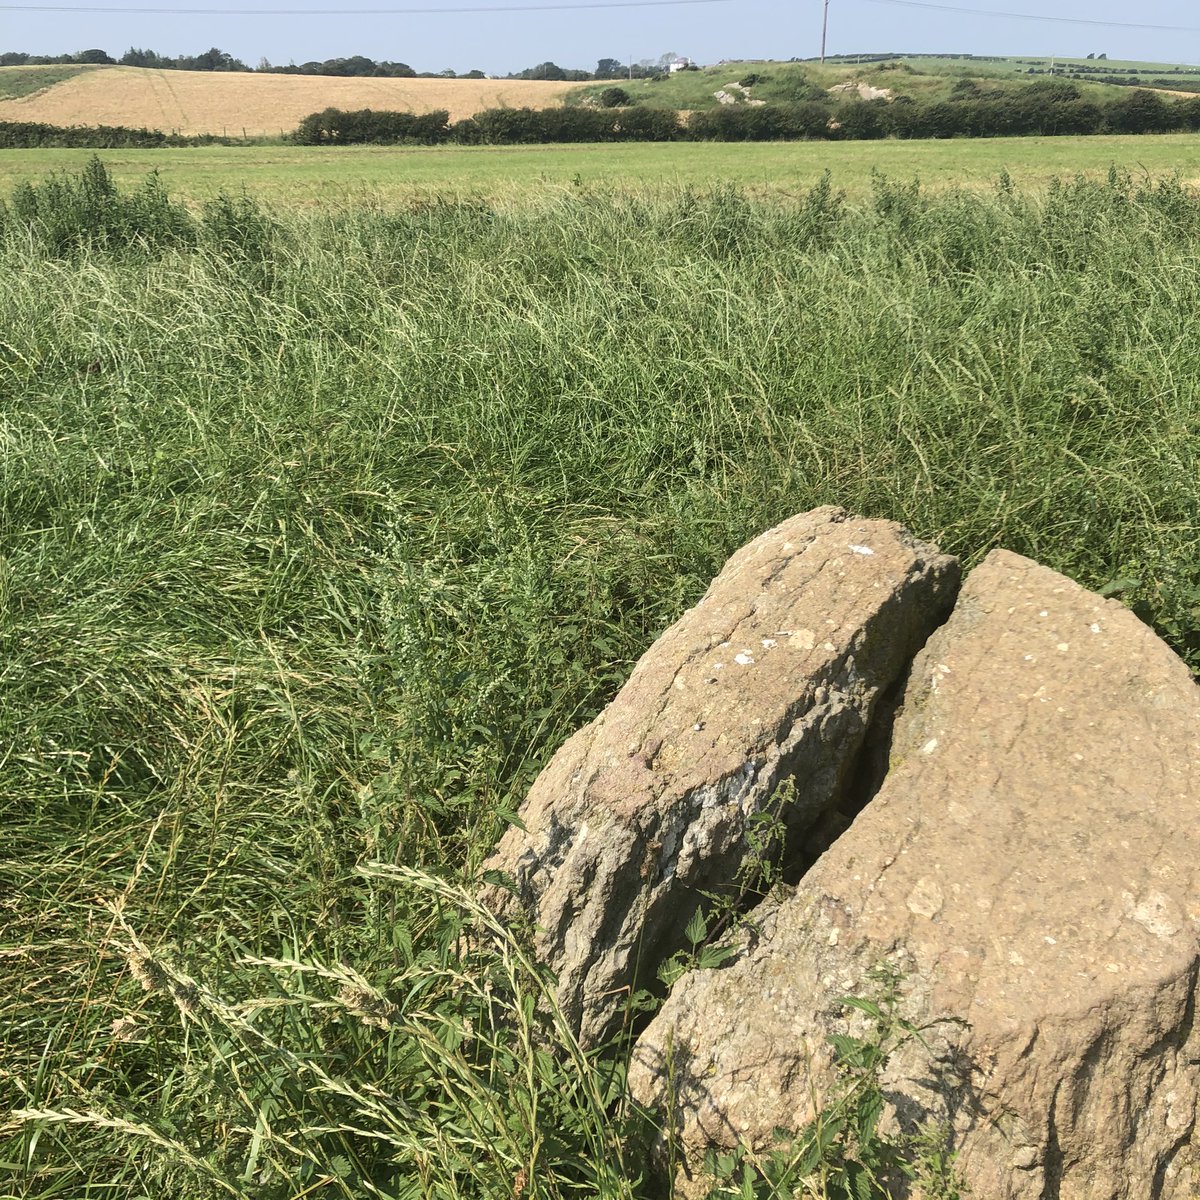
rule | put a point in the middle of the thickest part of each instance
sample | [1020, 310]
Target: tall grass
[320, 533]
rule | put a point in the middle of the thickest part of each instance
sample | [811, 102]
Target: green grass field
[296, 176]
[1020, 65]
[322, 527]
[925, 78]
[16, 82]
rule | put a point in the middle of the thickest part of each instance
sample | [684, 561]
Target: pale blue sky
[507, 41]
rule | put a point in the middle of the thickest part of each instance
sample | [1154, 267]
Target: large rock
[774, 675]
[1031, 864]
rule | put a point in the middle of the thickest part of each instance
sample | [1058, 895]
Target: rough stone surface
[863, 91]
[774, 675]
[1032, 864]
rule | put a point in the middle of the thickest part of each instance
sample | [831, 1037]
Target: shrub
[1056, 91]
[863, 120]
[1140, 112]
[508, 126]
[1074, 117]
[796, 89]
[1187, 114]
[466, 132]
[239, 230]
[614, 97]
[517, 126]
[573, 125]
[761, 123]
[335, 126]
[648, 125]
[66, 213]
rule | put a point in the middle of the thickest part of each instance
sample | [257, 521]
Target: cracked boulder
[774, 676]
[1031, 865]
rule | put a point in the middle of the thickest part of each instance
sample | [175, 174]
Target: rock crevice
[994, 794]
[773, 676]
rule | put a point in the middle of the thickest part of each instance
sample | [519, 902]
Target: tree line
[215, 59]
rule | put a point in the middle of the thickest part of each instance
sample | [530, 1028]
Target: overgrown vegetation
[321, 532]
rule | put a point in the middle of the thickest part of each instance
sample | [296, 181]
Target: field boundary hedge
[1040, 111]
[33, 135]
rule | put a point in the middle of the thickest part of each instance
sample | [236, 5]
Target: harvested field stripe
[263, 105]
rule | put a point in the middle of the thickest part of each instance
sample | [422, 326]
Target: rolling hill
[198, 102]
[237, 104]
[924, 78]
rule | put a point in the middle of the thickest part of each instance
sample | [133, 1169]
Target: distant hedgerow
[32, 135]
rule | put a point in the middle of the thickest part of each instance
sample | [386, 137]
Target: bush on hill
[795, 89]
[614, 97]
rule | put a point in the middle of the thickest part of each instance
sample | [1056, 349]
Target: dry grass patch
[194, 102]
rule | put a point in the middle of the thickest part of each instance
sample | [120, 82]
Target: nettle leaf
[697, 928]
[860, 1184]
[869, 1112]
[1114, 587]
[868, 1006]
[748, 1189]
[851, 1051]
[809, 1156]
[828, 1133]
[673, 970]
[716, 956]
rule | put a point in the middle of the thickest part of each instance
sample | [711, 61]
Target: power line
[348, 12]
[991, 12]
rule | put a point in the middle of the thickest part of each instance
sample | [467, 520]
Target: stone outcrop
[861, 91]
[774, 676]
[1031, 864]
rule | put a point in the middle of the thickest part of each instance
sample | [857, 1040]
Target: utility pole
[824, 29]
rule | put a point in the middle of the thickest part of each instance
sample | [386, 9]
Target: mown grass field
[305, 177]
[321, 528]
[236, 103]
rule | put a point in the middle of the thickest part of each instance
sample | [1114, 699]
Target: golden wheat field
[192, 102]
